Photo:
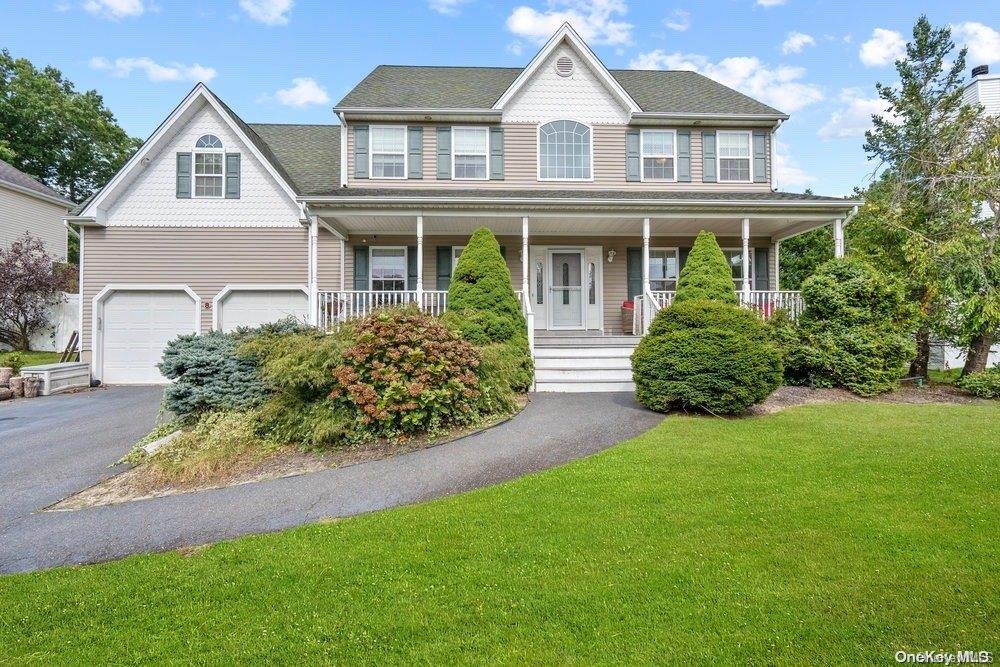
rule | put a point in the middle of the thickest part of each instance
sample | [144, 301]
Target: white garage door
[137, 325]
[251, 308]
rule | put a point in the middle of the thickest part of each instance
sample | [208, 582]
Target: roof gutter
[367, 112]
[748, 117]
[82, 221]
[529, 201]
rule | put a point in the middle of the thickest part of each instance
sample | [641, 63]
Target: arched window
[564, 151]
[208, 158]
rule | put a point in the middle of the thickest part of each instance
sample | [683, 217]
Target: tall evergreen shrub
[706, 273]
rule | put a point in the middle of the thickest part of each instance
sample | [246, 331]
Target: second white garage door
[137, 325]
[251, 308]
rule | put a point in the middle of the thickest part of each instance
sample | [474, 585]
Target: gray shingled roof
[14, 176]
[659, 91]
[308, 154]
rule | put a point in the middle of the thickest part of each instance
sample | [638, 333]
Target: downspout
[774, 153]
[343, 149]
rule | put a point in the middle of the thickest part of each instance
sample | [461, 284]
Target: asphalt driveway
[54, 447]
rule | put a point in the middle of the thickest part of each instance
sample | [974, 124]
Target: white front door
[565, 287]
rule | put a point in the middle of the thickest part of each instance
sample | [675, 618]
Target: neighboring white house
[28, 206]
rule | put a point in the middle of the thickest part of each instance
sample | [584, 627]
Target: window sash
[734, 256]
[208, 174]
[734, 156]
[456, 252]
[387, 269]
[388, 151]
[658, 150]
[564, 151]
[664, 268]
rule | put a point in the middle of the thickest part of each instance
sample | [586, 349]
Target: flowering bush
[407, 373]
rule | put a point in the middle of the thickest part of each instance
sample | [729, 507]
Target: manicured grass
[33, 358]
[945, 377]
[833, 533]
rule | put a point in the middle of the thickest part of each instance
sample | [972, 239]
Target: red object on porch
[628, 309]
[628, 304]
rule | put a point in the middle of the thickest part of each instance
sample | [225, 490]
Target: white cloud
[304, 92]
[154, 71]
[885, 46]
[595, 20]
[780, 86]
[770, 3]
[680, 20]
[982, 41]
[787, 171]
[515, 47]
[268, 12]
[447, 7]
[796, 41]
[854, 117]
[115, 9]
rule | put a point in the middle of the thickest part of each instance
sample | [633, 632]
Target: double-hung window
[564, 151]
[663, 269]
[735, 258]
[208, 170]
[388, 152]
[456, 252]
[734, 156]
[388, 269]
[659, 155]
[470, 153]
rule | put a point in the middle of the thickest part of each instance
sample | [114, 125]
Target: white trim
[64, 203]
[195, 152]
[538, 152]
[567, 32]
[532, 201]
[97, 314]
[718, 155]
[406, 265]
[93, 209]
[343, 150]
[642, 156]
[486, 153]
[371, 153]
[79, 321]
[772, 146]
[251, 287]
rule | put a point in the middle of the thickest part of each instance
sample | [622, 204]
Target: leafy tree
[925, 117]
[706, 273]
[801, 255]
[30, 285]
[66, 138]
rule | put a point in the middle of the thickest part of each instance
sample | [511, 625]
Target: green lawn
[832, 533]
[33, 358]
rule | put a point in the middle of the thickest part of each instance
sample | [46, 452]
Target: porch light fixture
[611, 255]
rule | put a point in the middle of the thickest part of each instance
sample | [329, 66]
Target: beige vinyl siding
[20, 213]
[328, 261]
[521, 164]
[615, 273]
[205, 259]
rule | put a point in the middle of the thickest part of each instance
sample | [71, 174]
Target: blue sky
[291, 60]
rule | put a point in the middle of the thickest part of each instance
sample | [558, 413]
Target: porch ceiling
[577, 224]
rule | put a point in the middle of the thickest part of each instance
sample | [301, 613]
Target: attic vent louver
[564, 66]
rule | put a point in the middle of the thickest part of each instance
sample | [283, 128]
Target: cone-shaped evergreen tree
[706, 273]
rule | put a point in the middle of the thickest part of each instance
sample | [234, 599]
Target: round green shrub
[706, 356]
[985, 384]
[855, 331]
[706, 273]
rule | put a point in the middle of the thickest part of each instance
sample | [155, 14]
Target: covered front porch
[573, 271]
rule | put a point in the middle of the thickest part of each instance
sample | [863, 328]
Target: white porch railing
[343, 305]
[765, 302]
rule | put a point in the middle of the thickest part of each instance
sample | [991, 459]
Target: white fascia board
[83, 221]
[844, 205]
[200, 91]
[567, 32]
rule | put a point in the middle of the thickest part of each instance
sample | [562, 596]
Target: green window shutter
[762, 279]
[682, 259]
[633, 268]
[183, 176]
[496, 153]
[443, 267]
[708, 157]
[411, 267]
[444, 153]
[232, 175]
[759, 156]
[360, 151]
[415, 152]
[632, 166]
[361, 267]
[684, 156]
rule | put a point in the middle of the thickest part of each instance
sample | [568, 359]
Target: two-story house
[594, 181]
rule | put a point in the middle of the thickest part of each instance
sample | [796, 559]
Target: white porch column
[645, 257]
[420, 261]
[313, 270]
[746, 259]
[776, 249]
[524, 258]
[838, 238]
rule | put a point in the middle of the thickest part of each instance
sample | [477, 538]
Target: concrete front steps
[584, 363]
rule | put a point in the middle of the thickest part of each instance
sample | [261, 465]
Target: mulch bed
[789, 397]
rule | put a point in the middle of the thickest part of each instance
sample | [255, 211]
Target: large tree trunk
[979, 353]
[918, 368]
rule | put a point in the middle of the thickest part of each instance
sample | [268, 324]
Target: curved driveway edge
[552, 429]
